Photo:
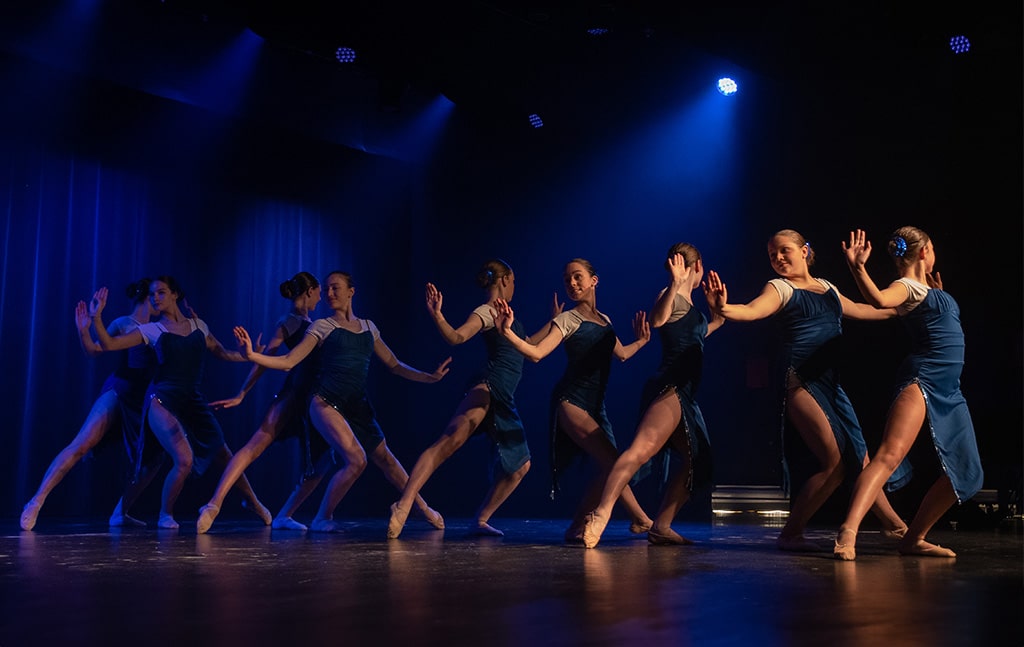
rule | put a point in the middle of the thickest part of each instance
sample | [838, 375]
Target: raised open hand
[98, 302]
[858, 249]
[82, 318]
[715, 291]
[503, 315]
[244, 342]
[641, 327]
[434, 300]
[677, 267]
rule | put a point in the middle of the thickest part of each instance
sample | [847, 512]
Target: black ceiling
[503, 46]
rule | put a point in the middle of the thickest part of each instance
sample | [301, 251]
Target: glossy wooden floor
[74, 583]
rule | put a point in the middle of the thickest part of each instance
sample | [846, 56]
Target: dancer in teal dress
[175, 412]
[286, 416]
[579, 423]
[488, 406]
[808, 313]
[671, 423]
[119, 406]
[339, 407]
[927, 393]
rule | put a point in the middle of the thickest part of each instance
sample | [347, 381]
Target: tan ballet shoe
[397, 521]
[207, 514]
[669, 538]
[593, 528]
[29, 514]
[845, 552]
[924, 549]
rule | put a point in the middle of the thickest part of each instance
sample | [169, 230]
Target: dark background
[222, 143]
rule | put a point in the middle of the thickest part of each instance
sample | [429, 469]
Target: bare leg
[339, 434]
[171, 436]
[939, 498]
[892, 524]
[585, 432]
[675, 497]
[397, 476]
[814, 429]
[284, 519]
[468, 416]
[120, 517]
[102, 416]
[906, 415]
[496, 495]
[235, 469]
[656, 426]
[251, 502]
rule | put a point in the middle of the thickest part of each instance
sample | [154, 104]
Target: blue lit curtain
[72, 224]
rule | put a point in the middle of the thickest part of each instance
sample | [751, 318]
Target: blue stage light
[597, 31]
[536, 121]
[959, 44]
[727, 86]
[345, 55]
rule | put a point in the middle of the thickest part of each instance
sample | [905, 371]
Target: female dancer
[119, 403]
[339, 408]
[927, 390]
[174, 410]
[670, 417]
[578, 419]
[286, 416]
[808, 311]
[488, 405]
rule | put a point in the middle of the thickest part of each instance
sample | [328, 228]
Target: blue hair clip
[901, 246]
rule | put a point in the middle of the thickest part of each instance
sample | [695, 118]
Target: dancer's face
[339, 294]
[786, 256]
[161, 298]
[578, 281]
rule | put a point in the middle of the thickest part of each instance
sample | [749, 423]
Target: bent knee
[357, 462]
[889, 458]
[184, 463]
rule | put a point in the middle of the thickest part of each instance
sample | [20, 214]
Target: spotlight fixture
[536, 121]
[959, 44]
[727, 86]
[597, 31]
[345, 55]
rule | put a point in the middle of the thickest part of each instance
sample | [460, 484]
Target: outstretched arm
[214, 346]
[857, 252]
[662, 309]
[120, 342]
[276, 342]
[280, 362]
[764, 305]
[82, 322]
[642, 330]
[453, 336]
[401, 369]
[864, 311]
[538, 346]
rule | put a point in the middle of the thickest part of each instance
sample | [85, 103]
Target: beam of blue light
[417, 138]
[222, 84]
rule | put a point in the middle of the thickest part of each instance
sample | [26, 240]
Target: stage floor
[74, 583]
